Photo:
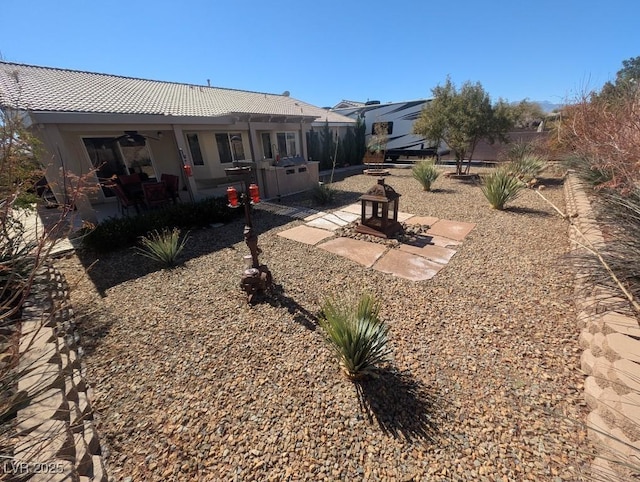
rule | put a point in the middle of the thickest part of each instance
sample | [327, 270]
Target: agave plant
[501, 187]
[356, 334]
[164, 247]
[425, 172]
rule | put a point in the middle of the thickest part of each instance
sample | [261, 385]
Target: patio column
[185, 158]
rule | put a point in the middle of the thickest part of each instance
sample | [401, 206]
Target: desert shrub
[356, 334]
[425, 172]
[501, 187]
[116, 233]
[619, 216]
[594, 173]
[323, 194]
[162, 246]
[603, 136]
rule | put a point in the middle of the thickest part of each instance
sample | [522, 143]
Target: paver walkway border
[611, 343]
[416, 262]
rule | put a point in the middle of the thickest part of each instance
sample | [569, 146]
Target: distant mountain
[546, 105]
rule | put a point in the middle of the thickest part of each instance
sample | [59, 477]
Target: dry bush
[603, 134]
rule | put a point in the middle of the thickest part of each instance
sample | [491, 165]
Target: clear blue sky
[323, 51]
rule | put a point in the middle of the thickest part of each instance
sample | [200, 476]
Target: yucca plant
[425, 172]
[527, 167]
[356, 334]
[501, 187]
[164, 246]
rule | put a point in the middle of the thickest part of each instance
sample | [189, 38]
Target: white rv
[399, 117]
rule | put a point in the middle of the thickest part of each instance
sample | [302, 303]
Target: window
[224, 149]
[382, 128]
[266, 145]
[237, 149]
[106, 159]
[138, 159]
[287, 144]
[194, 149]
[116, 156]
[230, 147]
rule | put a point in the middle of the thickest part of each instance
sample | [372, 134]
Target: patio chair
[172, 182]
[155, 194]
[132, 185]
[124, 201]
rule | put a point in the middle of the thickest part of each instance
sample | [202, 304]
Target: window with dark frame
[106, 159]
[194, 148]
[378, 128]
[224, 148]
[266, 145]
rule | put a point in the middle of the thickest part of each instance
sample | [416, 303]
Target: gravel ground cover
[191, 383]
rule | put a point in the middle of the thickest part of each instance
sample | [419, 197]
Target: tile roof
[61, 90]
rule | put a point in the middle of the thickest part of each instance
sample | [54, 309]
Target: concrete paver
[439, 254]
[402, 217]
[317, 215]
[323, 223]
[336, 219]
[355, 208]
[423, 220]
[346, 216]
[361, 252]
[407, 265]
[456, 230]
[306, 234]
[441, 241]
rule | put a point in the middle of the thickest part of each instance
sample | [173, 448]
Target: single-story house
[102, 125]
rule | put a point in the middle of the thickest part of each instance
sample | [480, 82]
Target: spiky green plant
[527, 167]
[425, 172]
[164, 246]
[501, 187]
[356, 334]
[323, 194]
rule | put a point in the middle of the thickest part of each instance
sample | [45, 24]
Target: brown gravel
[190, 383]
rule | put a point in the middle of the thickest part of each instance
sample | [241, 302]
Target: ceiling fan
[133, 138]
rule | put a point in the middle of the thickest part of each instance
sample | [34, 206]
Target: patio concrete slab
[439, 254]
[456, 230]
[423, 220]
[356, 250]
[306, 234]
[406, 265]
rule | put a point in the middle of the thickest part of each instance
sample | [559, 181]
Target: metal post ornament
[256, 277]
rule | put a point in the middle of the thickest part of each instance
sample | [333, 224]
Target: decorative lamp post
[256, 277]
[379, 211]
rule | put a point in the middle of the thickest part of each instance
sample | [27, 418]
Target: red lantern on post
[254, 193]
[232, 196]
[187, 170]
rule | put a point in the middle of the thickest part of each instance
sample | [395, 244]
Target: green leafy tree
[360, 139]
[627, 79]
[522, 115]
[461, 118]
